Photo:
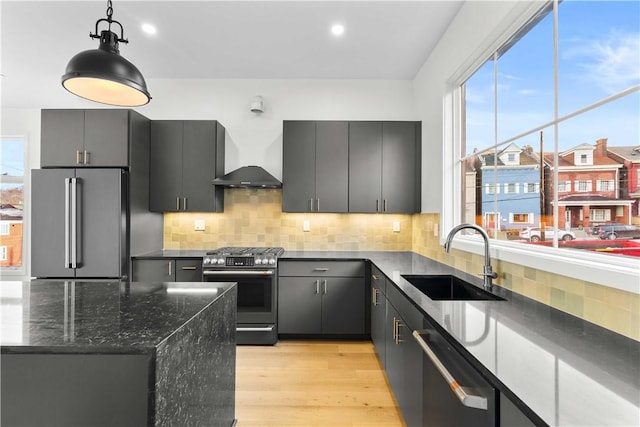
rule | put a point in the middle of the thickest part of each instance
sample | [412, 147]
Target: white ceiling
[221, 39]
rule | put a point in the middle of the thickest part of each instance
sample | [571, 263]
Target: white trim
[614, 271]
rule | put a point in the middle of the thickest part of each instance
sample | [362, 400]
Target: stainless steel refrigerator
[80, 223]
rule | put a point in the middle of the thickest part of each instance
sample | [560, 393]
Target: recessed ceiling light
[337, 30]
[148, 28]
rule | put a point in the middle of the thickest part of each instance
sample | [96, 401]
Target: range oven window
[254, 294]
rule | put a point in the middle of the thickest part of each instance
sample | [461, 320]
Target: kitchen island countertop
[568, 371]
[115, 353]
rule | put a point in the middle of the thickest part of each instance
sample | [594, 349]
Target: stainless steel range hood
[248, 177]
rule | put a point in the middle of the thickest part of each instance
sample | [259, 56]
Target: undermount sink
[446, 287]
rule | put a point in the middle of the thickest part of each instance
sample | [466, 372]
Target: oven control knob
[258, 261]
[272, 261]
[220, 261]
[206, 261]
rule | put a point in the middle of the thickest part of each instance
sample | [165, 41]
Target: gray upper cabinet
[185, 157]
[384, 167]
[365, 166]
[315, 166]
[86, 138]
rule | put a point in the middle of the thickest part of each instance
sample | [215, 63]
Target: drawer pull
[321, 269]
[467, 396]
[189, 267]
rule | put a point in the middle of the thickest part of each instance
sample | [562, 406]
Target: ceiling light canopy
[102, 75]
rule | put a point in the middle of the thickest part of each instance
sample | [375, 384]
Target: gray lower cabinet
[384, 167]
[378, 313]
[167, 270]
[185, 157]
[510, 415]
[404, 358]
[321, 298]
[89, 138]
[315, 166]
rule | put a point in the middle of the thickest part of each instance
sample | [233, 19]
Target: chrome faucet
[488, 273]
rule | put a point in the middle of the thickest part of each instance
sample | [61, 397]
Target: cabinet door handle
[311, 205]
[377, 205]
[398, 324]
[318, 204]
[384, 204]
[177, 203]
[374, 296]
[467, 396]
[318, 286]
[189, 267]
[395, 331]
[86, 160]
[374, 277]
[78, 158]
[170, 270]
[184, 203]
[325, 286]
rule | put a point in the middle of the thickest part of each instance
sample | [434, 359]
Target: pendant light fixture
[102, 75]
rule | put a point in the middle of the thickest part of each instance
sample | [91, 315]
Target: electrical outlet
[306, 226]
[396, 226]
[198, 225]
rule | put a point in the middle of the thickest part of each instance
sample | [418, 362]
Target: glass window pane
[479, 107]
[11, 203]
[525, 81]
[598, 51]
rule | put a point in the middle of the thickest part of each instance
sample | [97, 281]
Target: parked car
[533, 234]
[618, 231]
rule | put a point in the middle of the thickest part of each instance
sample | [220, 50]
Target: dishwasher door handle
[467, 396]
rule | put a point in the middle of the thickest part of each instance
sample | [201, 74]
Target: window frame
[616, 272]
[21, 273]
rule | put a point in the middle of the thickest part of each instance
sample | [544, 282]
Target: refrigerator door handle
[67, 224]
[74, 222]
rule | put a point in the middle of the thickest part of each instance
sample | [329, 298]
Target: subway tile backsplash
[255, 217]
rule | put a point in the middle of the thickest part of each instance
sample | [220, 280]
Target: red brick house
[588, 187]
[629, 176]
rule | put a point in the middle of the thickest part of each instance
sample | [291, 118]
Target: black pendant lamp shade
[102, 75]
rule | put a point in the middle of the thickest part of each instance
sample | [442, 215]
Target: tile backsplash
[255, 217]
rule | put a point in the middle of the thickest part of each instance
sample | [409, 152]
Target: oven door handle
[255, 329]
[238, 273]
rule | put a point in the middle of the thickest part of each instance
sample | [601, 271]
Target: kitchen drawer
[189, 270]
[321, 268]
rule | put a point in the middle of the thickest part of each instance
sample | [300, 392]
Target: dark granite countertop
[568, 371]
[173, 253]
[50, 316]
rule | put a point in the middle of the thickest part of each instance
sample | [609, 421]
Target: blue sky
[599, 55]
[12, 157]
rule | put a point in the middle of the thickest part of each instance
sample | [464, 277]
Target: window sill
[618, 272]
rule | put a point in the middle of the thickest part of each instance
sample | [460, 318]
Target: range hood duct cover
[248, 177]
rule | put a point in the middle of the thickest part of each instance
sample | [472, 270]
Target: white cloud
[611, 63]
[526, 92]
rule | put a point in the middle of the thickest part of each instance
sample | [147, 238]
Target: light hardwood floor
[313, 383]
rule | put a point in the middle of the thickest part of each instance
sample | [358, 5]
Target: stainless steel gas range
[255, 271]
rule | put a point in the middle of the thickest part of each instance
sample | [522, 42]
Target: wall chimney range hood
[248, 177]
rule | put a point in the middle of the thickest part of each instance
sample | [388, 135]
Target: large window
[12, 169]
[557, 109]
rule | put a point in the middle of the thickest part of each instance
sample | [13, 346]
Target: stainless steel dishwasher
[454, 392]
